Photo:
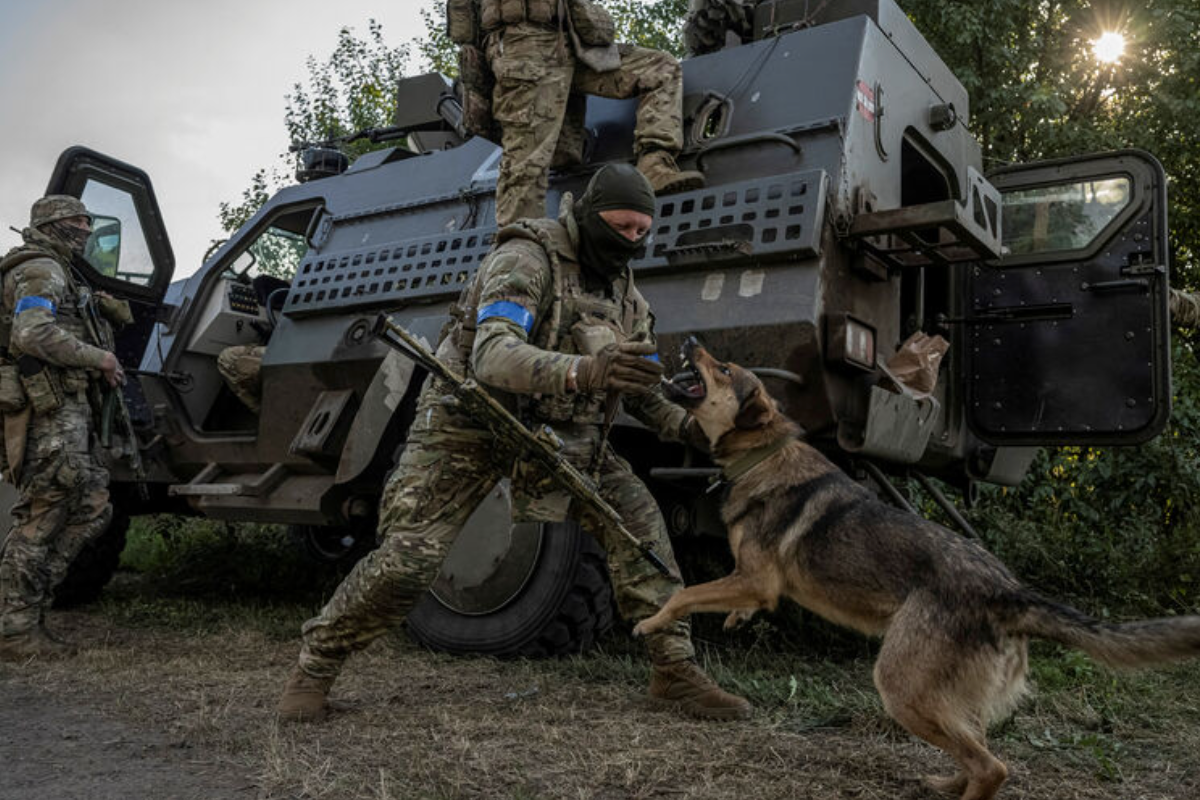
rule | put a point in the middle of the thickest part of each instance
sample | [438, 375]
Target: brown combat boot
[304, 698]
[664, 174]
[31, 644]
[684, 686]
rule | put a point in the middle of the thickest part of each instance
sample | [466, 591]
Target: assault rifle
[113, 404]
[542, 447]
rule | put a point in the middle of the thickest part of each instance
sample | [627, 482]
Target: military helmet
[54, 207]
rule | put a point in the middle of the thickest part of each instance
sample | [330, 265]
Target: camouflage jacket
[39, 309]
[529, 313]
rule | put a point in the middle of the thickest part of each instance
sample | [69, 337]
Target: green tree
[353, 89]
[1037, 90]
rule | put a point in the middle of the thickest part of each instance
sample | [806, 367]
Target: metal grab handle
[1116, 286]
[742, 141]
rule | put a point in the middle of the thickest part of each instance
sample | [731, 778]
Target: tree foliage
[352, 89]
[1037, 91]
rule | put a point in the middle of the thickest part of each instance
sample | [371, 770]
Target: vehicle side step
[203, 484]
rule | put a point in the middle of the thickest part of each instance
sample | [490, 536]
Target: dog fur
[953, 620]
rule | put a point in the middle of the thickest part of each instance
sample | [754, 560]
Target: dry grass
[414, 724]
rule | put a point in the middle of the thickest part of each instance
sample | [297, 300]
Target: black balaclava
[615, 186]
[74, 239]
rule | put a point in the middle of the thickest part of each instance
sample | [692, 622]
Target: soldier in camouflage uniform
[240, 366]
[536, 60]
[551, 318]
[63, 501]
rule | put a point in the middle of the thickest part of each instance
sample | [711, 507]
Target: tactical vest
[572, 320]
[495, 13]
[67, 314]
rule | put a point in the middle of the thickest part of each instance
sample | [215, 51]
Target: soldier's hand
[619, 368]
[111, 368]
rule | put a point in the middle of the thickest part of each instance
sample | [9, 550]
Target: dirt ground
[153, 709]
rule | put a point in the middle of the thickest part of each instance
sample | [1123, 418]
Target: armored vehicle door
[129, 255]
[1067, 334]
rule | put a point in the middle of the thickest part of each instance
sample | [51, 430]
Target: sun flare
[1109, 47]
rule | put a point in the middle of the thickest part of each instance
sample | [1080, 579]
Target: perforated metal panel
[777, 217]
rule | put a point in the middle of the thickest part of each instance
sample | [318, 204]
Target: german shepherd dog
[954, 621]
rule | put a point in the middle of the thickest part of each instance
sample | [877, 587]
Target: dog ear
[755, 411]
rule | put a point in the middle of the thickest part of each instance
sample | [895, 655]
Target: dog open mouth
[686, 388]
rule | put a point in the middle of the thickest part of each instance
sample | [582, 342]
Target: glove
[618, 368]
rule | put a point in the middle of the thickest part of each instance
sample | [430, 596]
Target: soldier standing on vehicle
[45, 364]
[553, 321]
[543, 54]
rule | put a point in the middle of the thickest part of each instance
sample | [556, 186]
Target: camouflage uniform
[536, 311]
[63, 488]
[1185, 308]
[241, 368]
[537, 104]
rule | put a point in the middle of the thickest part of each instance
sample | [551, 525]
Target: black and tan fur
[954, 621]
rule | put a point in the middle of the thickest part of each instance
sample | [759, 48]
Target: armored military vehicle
[846, 208]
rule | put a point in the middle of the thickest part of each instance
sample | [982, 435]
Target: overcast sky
[192, 92]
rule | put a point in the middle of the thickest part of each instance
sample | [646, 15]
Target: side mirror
[103, 249]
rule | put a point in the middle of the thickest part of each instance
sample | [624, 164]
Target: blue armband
[653, 357]
[507, 310]
[33, 301]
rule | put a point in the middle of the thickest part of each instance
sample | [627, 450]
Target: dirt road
[156, 709]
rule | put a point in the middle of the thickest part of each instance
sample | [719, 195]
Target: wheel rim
[491, 560]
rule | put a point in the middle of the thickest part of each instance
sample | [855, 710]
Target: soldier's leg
[657, 79]
[533, 79]
[240, 366]
[440, 479]
[49, 485]
[89, 517]
[38, 517]
[572, 139]
[641, 590]
[676, 680]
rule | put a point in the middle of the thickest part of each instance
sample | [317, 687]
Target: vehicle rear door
[1068, 332]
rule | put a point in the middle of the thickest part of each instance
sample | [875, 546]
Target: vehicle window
[118, 246]
[276, 252]
[1063, 217]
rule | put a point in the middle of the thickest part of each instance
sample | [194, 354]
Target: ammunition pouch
[592, 23]
[475, 84]
[42, 387]
[495, 13]
[462, 21]
[12, 392]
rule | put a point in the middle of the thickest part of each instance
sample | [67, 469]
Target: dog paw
[737, 619]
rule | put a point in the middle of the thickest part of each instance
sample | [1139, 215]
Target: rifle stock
[541, 447]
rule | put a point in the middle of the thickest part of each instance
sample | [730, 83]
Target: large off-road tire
[94, 567]
[564, 605]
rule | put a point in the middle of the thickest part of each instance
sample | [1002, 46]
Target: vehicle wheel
[94, 567]
[330, 545]
[527, 589]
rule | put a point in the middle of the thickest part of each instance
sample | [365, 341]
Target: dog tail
[1122, 644]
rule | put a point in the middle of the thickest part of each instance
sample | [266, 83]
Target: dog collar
[749, 461]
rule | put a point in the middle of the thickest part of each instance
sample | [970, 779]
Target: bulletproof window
[1062, 217]
[118, 247]
[278, 249]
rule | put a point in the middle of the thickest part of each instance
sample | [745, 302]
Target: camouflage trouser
[445, 471]
[241, 367]
[63, 505]
[536, 72]
[1185, 308]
